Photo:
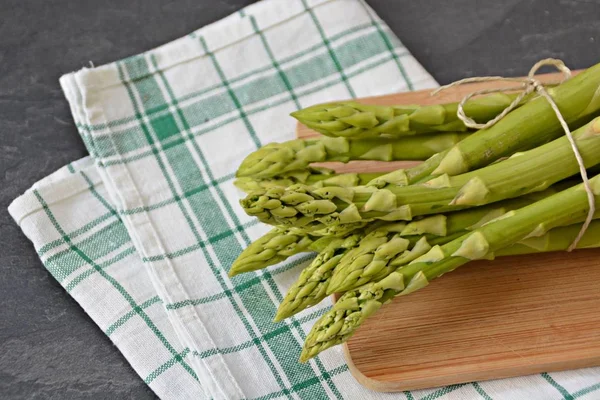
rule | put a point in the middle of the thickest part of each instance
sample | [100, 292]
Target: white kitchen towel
[143, 232]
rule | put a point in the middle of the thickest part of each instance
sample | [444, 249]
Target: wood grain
[509, 317]
[486, 320]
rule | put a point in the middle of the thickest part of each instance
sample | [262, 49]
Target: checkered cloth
[143, 231]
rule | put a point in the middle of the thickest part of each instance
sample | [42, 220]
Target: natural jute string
[529, 85]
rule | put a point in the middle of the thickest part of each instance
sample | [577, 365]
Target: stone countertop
[50, 348]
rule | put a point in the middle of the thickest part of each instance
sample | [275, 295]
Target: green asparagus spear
[372, 261]
[382, 248]
[528, 126]
[314, 283]
[371, 264]
[567, 207]
[355, 120]
[557, 239]
[281, 243]
[311, 286]
[278, 158]
[275, 246]
[314, 277]
[528, 172]
[310, 176]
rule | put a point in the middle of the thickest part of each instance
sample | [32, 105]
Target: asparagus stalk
[310, 176]
[557, 239]
[528, 126]
[280, 243]
[275, 246]
[278, 158]
[528, 172]
[372, 262]
[311, 286]
[355, 120]
[567, 207]
[312, 283]
[380, 250]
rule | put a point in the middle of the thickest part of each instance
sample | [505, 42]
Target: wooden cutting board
[486, 320]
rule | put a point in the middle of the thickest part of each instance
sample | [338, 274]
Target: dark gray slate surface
[49, 347]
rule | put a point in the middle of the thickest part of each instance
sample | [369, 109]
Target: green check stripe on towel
[143, 231]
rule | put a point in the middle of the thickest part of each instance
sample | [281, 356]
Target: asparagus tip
[284, 311]
[279, 316]
[232, 272]
[303, 357]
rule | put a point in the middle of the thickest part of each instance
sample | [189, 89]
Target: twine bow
[527, 86]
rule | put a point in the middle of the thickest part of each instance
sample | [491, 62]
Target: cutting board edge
[385, 386]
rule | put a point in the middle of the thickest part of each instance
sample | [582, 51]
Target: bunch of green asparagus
[513, 188]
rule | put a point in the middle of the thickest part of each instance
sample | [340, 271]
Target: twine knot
[527, 86]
